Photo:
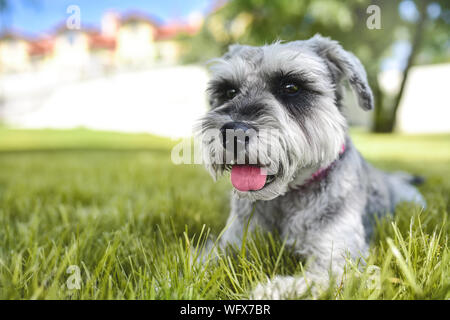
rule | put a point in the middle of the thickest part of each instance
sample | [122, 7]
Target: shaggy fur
[325, 219]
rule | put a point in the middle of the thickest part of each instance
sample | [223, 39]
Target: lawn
[116, 209]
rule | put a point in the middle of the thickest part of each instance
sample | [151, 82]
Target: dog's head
[275, 113]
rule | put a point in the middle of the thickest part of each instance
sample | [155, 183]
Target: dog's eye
[231, 93]
[290, 89]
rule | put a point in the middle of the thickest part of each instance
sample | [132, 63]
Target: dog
[309, 183]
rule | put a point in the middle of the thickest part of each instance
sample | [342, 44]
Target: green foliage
[115, 205]
[258, 22]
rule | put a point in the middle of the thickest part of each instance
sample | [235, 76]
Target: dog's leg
[320, 274]
[403, 190]
[327, 250]
[315, 279]
[287, 287]
[244, 217]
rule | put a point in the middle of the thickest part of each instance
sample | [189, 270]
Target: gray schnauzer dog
[310, 184]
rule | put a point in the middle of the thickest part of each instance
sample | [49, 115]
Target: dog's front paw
[281, 288]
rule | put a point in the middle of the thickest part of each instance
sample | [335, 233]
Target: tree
[386, 116]
[262, 21]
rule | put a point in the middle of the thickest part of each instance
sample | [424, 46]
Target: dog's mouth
[250, 177]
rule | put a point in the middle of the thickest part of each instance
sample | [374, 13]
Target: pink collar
[322, 172]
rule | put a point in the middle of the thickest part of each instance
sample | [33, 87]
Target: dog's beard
[267, 152]
[287, 151]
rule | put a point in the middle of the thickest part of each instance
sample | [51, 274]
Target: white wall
[425, 106]
[163, 101]
[167, 100]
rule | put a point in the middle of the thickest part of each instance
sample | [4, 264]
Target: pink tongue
[245, 178]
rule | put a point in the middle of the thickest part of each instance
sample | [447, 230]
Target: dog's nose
[235, 133]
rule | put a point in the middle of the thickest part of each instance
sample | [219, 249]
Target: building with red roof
[134, 40]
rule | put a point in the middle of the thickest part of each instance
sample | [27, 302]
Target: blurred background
[141, 66]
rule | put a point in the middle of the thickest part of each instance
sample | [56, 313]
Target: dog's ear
[239, 49]
[346, 64]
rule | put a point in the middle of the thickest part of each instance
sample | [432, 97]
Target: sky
[35, 17]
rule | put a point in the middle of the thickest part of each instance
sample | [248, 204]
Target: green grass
[115, 206]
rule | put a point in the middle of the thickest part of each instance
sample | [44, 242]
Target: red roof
[44, 45]
[99, 41]
[40, 47]
[171, 30]
[62, 27]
